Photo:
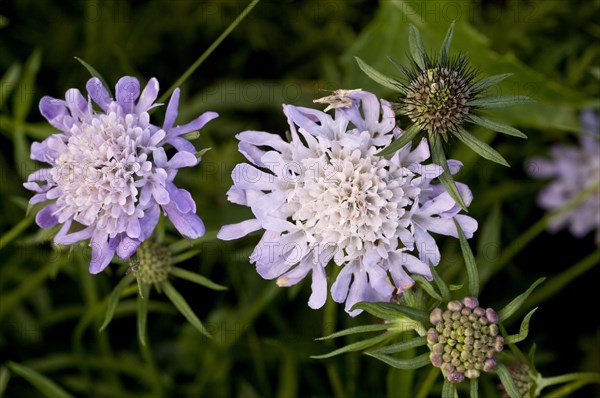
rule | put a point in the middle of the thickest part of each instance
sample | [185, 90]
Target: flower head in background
[109, 174]
[327, 196]
[572, 170]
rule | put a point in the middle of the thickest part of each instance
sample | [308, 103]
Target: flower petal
[236, 231]
[98, 92]
[128, 91]
[148, 96]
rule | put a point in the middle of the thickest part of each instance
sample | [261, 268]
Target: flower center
[350, 198]
[99, 168]
[437, 100]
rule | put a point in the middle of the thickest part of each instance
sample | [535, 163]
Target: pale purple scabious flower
[109, 175]
[326, 196]
[572, 170]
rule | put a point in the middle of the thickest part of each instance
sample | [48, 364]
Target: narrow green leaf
[443, 288]
[454, 288]
[391, 311]
[499, 102]
[474, 388]
[523, 330]
[357, 346]
[26, 88]
[449, 389]
[399, 347]
[409, 134]
[489, 82]
[95, 73]
[417, 50]
[424, 283]
[4, 377]
[507, 381]
[445, 50]
[471, 266]
[199, 279]
[183, 307]
[142, 314]
[39, 381]
[377, 76]
[495, 126]
[439, 157]
[114, 299]
[480, 147]
[514, 305]
[412, 363]
[357, 329]
[9, 82]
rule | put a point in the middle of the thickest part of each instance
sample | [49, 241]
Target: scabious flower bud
[464, 340]
[154, 263]
[522, 377]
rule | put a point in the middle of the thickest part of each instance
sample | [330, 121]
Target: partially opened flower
[573, 169]
[109, 174]
[326, 196]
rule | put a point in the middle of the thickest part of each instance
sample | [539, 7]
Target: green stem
[428, 383]
[329, 321]
[208, 51]
[14, 232]
[579, 376]
[521, 242]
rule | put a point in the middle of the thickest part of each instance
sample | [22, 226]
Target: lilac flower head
[109, 174]
[326, 196]
[572, 170]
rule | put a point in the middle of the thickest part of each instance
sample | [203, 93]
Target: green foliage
[262, 335]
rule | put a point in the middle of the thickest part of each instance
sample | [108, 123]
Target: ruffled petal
[102, 253]
[171, 113]
[236, 231]
[45, 217]
[197, 124]
[128, 91]
[98, 92]
[148, 96]
[188, 224]
[54, 110]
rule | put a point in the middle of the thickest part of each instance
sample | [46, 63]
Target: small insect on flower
[109, 175]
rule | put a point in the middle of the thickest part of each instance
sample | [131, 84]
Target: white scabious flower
[326, 196]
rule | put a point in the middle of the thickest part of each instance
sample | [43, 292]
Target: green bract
[440, 95]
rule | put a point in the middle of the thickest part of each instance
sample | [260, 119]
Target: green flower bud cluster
[436, 100]
[154, 262]
[464, 340]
